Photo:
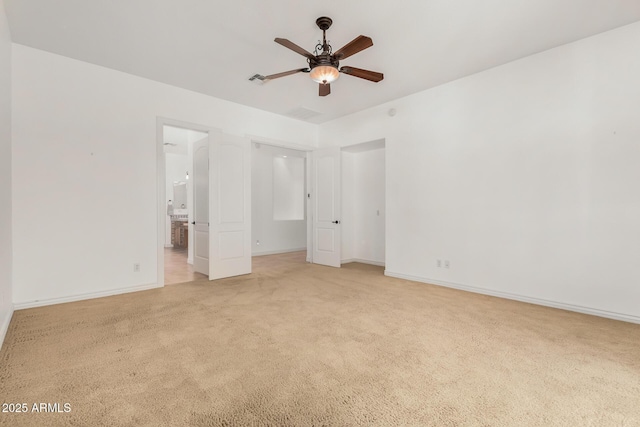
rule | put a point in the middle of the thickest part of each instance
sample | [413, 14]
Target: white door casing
[230, 206]
[201, 206]
[326, 207]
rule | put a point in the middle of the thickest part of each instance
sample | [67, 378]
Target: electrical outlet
[446, 263]
[136, 267]
[439, 263]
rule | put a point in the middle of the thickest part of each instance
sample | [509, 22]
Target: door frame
[358, 147]
[350, 147]
[161, 181]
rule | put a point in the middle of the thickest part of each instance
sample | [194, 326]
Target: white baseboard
[190, 261]
[282, 251]
[362, 261]
[4, 326]
[538, 301]
[169, 245]
[80, 297]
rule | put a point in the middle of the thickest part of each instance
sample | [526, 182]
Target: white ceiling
[213, 47]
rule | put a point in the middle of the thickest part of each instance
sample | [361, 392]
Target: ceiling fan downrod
[324, 23]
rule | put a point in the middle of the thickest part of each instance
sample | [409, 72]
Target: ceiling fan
[324, 63]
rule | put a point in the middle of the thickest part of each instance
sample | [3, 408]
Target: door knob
[193, 222]
[336, 222]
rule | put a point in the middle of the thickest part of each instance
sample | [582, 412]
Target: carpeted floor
[295, 344]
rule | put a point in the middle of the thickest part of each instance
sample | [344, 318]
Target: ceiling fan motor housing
[324, 58]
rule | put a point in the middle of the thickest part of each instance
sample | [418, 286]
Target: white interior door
[326, 212]
[230, 204]
[201, 206]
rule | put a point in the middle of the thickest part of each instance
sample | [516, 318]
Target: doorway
[349, 204]
[279, 201]
[185, 200]
[363, 203]
[225, 205]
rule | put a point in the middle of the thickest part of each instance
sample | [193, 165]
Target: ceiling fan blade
[353, 47]
[285, 73]
[294, 47]
[325, 89]
[363, 74]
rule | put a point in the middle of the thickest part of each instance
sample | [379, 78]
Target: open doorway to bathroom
[178, 148]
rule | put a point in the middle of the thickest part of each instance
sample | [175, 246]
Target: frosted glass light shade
[324, 74]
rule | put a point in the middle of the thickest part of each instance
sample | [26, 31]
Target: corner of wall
[4, 324]
[6, 222]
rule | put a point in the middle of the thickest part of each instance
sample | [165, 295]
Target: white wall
[363, 206]
[288, 176]
[275, 236]
[85, 147]
[6, 306]
[525, 177]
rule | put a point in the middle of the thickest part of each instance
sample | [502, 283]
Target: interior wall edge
[80, 297]
[256, 139]
[4, 326]
[362, 261]
[522, 298]
[283, 251]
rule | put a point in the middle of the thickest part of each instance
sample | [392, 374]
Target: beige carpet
[296, 344]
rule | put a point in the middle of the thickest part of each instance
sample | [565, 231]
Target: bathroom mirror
[179, 195]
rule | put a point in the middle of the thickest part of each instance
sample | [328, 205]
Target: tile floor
[176, 269]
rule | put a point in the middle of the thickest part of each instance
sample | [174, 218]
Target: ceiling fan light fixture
[324, 63]
[324, 74]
